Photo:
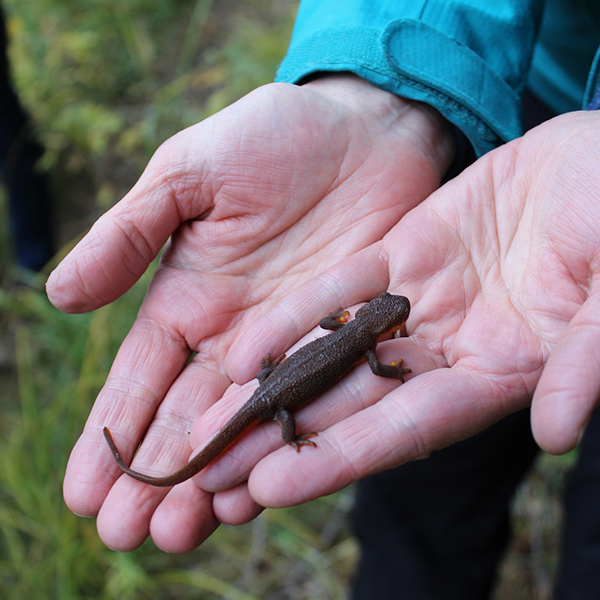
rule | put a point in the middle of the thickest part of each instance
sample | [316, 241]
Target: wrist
[416, 123]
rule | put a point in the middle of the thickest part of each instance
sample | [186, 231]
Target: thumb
[124, 241]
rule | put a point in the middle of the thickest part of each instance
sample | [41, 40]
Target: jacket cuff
[413, 60]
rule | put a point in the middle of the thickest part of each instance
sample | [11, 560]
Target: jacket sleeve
[467, 58]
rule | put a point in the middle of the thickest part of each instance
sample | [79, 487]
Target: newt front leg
[335, 320]
[395, 370]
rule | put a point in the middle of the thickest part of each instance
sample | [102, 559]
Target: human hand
[501, 266]
[258, 199]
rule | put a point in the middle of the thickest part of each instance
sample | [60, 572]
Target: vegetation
[106, 81]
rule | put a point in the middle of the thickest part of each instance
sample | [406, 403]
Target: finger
[429, 412]
[184, 519]
[165, 449]
[178, 519]
[235, 506]
[179, 523]
[148, 362]
[123, 521]
[188, 515]
[569, 388]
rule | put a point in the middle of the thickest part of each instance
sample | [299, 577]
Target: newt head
[384, 314]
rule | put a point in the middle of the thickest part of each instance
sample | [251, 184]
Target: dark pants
[579, 577]
[29, 202]
[436, 529]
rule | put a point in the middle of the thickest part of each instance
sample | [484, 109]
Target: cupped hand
[502, 267]
[255, 200]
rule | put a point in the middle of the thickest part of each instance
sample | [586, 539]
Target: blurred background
[102, 83]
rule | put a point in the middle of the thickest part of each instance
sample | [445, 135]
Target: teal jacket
[470, 59]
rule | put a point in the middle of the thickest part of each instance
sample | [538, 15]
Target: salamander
[286, 385]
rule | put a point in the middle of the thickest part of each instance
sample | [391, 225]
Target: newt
[286, 385]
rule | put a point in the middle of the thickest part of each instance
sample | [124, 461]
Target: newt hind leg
[266, 367]
[286, 421]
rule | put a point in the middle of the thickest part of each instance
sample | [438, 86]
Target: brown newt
[286, 385]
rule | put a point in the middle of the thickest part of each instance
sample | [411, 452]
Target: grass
[107, 81]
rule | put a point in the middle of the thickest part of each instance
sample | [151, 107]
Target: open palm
[501, 266]
[259, 198]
